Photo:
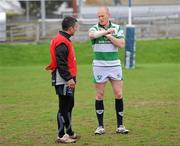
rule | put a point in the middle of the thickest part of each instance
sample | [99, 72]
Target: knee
[119, 96]
[99, 95]
[99, 98]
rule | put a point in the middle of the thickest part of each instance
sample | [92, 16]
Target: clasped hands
[108, 32]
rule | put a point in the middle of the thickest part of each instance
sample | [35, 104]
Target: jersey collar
[110, 24]
[65, 34]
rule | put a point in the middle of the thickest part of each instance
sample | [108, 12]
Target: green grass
[28, 103]
[159, 51]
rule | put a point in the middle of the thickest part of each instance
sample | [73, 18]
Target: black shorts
[64, 90]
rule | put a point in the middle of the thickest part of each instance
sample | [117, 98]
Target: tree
[51, 6]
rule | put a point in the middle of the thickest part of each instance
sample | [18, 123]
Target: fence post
[11, 35]
[37, 33]
[167, 27]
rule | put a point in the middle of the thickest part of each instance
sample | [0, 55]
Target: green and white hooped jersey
[105, 53]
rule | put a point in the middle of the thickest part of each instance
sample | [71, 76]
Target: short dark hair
[68, 22]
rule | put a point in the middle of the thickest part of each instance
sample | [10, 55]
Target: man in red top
[63, 67]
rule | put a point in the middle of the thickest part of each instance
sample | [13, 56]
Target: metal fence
[158, 27]
[146, 28]
[22, 32]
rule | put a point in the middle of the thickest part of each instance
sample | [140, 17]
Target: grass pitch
[28, 103]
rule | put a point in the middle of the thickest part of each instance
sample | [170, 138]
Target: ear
[109, 15]
[70, 29]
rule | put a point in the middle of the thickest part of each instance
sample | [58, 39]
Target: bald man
[107, 38]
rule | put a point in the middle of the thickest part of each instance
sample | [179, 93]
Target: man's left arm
[117, 37]
[119, 42]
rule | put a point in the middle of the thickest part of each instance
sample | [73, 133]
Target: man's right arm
[62, 61]
[97, 34]
[93, 33]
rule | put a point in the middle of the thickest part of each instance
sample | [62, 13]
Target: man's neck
[107, 25]
[67, 32]
[64, 33]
